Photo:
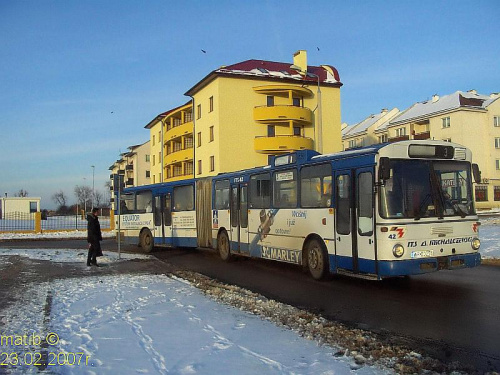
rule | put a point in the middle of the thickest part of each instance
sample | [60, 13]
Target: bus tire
[146, 240]
[223, 246]
[317, 259]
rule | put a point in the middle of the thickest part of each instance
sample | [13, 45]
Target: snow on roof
[362, 126]
[445, 103]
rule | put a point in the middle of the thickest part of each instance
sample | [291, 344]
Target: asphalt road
[451, 315]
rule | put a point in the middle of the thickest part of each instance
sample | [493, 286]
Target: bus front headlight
[398, 250]
[476, 244]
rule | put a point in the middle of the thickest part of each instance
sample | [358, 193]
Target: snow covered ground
[155, 324]
[152, 324]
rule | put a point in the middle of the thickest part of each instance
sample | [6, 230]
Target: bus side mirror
[384, 169]
[476, 173]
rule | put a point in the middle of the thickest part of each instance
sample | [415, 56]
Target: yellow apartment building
[363, 133]
[245, 112]
[134, 165]
[467, 118]
[155, 127]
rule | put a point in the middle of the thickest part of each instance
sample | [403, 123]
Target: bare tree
[60, 198]
[21, 193]
[98, 198]
[83, 195]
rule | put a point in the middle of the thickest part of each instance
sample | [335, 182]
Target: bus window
[365, 204]
[144, 202]
[127, 204]
[222, 195]
[316, 186]
[184, 198]
[167, 210]
[285, 189]
[343, 205]
[260, 191]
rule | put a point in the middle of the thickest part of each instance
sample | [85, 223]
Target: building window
[497, 142]
[481, 193]
[212, 163]
[198, 116]
[211, 104]
[188, 142]
[147, 158]
[154, 160]
[383, 138]
[447, 139]
[33, 207]
[271, 132]
[496, 121]
[296, 130]
[159, 136]
[352, 143]
[270, 101]
[154, 179]
[153, 140]
[199, 166]
[497, 164]
[199, 139]
[296, 102]
[446, 122]
[148, 174]
[400, 132]
[211, 134]
[496, 193]
[188, 168]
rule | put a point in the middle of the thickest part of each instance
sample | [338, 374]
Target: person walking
[94, 235]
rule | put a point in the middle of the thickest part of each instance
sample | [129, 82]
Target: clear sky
[79, 80]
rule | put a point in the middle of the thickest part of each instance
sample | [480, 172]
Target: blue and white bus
[381, 211]
[159, 214]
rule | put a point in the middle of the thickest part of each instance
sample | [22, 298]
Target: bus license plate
[422, 254]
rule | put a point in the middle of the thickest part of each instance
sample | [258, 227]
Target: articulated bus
[382, 211]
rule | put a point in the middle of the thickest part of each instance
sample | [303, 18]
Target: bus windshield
[420, 189]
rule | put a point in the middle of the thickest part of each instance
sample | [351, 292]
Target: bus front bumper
[426, 265]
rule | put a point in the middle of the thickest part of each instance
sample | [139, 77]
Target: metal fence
[18, 221]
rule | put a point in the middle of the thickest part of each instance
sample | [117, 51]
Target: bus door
[239, 219]
[354, 233]
[163, 218]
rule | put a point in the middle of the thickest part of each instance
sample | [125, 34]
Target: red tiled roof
[269, 70]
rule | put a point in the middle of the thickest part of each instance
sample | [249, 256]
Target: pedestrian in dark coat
[93, 237]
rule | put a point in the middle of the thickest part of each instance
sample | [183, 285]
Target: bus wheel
[317, 260]
[146, 240]
[223, 246]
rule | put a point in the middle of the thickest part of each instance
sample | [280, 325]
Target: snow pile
[157, 325]
[70, 255]
[51, 235]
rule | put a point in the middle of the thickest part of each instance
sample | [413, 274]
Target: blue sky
[79, 80]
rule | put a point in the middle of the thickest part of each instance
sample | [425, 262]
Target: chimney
[300, 60]
[472, 92]
[435, 98]
[384, 110]
[494, 95]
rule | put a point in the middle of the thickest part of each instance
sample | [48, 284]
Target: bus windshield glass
[427, 189]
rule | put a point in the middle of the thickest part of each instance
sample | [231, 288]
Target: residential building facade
[466, 118]
[245, 112]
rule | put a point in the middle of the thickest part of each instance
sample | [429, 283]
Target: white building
[15, 207]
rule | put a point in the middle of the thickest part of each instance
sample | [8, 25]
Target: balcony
[400, 138]
[129, 167]
[183, 129]
[129, 182]
[178, 156]
[282, 143]
[282, 113]
[424, 135]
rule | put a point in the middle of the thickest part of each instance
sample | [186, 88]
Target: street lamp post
[319, 123]
[93, 193]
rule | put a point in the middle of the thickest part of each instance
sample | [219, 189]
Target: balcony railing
[424, 135]
[282, 143]
[400, 138]
[129, 167]
[129, 182]
[282, 113]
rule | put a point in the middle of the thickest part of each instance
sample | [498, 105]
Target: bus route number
[238, 179]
